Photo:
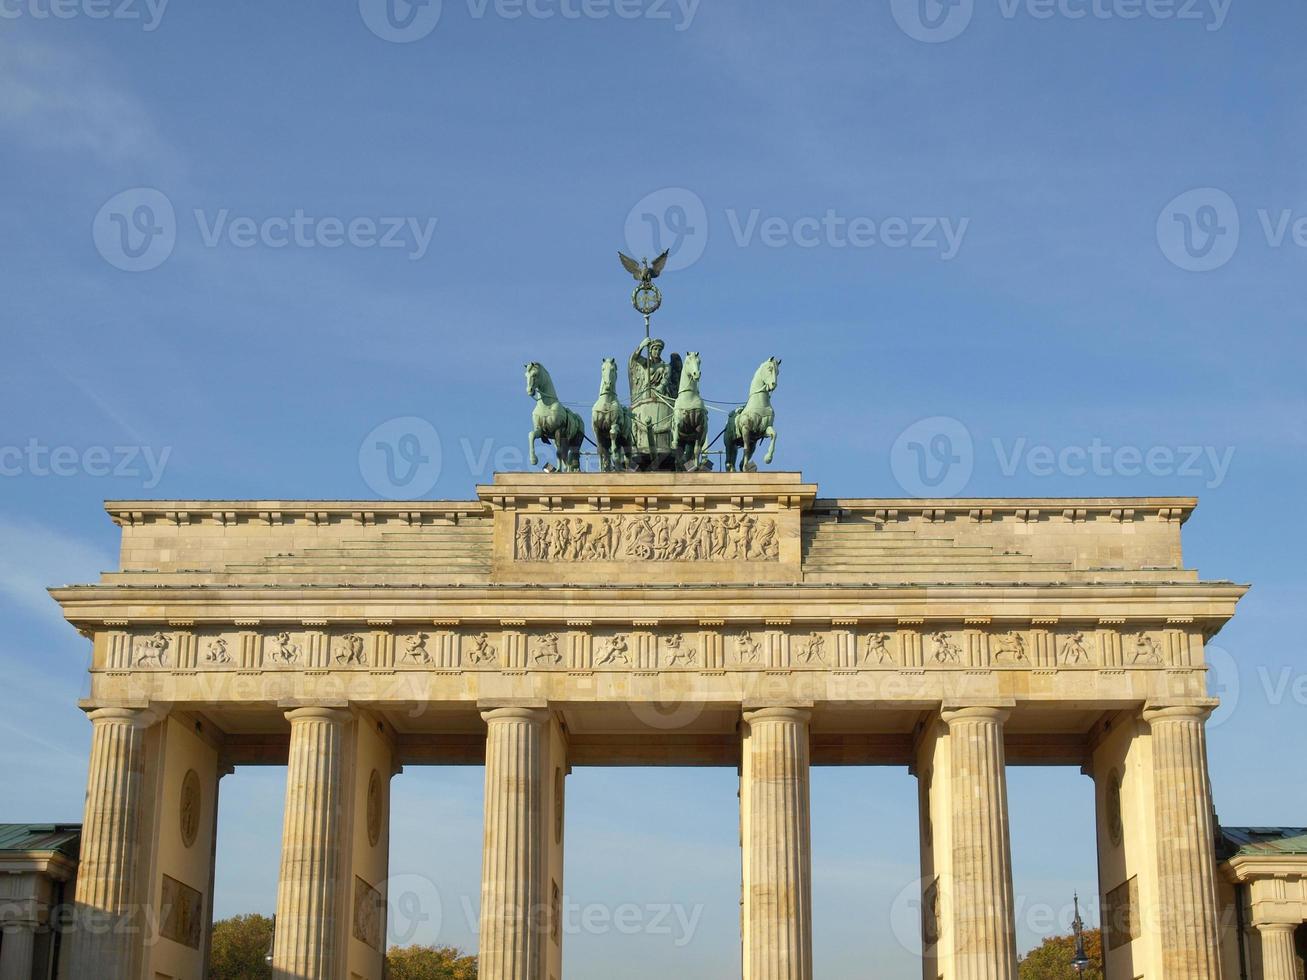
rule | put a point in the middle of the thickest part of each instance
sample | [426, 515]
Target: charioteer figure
[653, 394]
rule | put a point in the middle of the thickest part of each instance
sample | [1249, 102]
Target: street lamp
[272, 939]
[1081, 960]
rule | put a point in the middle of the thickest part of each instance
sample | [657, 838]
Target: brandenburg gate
[700, 619]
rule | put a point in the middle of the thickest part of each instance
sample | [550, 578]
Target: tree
[239, 946]
[430, 963]
[1052, 961]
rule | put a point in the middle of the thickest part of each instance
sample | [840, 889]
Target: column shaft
[983, 926]
[309, 890]
[16, 952]
[514, 911]
[1279, 954]
[1186, 851]
[777, 845]
[105, 941]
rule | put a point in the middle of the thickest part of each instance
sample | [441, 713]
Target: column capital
[136, 717]
[975, 712]
[1277, 927]
[515, 713]
[1198, 710]
[778, 713]
[318, 712]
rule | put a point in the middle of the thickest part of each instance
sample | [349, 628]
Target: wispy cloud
[33, 558]
[57, 99]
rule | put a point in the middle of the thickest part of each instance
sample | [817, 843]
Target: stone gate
[562, 620]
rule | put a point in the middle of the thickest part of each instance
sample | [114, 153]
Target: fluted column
[1186, 850]
[514, 913]
[17, 950]
[778, 845]
[106, 940]
[983, 920]
[1279, 953]
[305, 947]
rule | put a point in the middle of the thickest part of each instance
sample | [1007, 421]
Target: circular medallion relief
[1115, 825]
[374, 808]
[190, 807]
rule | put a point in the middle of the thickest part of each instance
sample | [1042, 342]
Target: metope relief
[1073, 650]
[350, 650]
[215, 652]
[613, 651]
[481, 652]
[810, 650]
[748, 650]
[679, 651]
[282, 650]
[152, 650]
[875, 651]
[545, 651]
[647, 537]
[944, 649]
[415, 649]
[1145, 650]
[1009, 650]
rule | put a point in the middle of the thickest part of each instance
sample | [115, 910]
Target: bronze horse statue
[755, 421]
[552, 421]
[611, 422]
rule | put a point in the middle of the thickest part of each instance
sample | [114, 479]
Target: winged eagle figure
[643, 272]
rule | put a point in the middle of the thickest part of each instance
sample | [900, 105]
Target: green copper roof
[1264, 840]
[62, 838]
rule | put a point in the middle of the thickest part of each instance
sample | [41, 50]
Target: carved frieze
[646, 645]
[152, 650]
[680, 652]
[1009, 649]
[349, 650]
[876, 651]
[282, 650]
[181, 913]
[546, 652]
[216, 651]
[684, 537]
[944, 649]
[1073, 651]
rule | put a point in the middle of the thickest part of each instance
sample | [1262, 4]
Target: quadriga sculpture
[611, 422]
[689, 416]
[746, 426]
[552, 421]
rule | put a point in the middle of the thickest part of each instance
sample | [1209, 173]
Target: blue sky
[1046, 239]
